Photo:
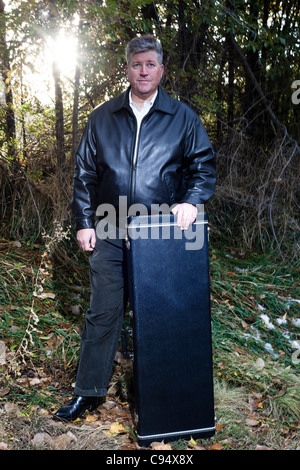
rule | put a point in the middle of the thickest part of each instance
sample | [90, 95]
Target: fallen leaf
[120, 358]
[251, 422]
[91, 419]
[108, 405]
[2, 353]
[43, 412]
[4, 391]
[259, 364]
[64, 440]
[285, 430]
[41, 438]
[193, 442]
[219, 427]
[129, 446]
[227, 442]
[75, 309]
[258, 447]
[44, 295]
[217, 446]
[255, 401]
[117, 428]
[16, 243]
[34, 381]
[160, 446]
[194, 445]
[12, 408]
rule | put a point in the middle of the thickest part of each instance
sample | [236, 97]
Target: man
[151, 149]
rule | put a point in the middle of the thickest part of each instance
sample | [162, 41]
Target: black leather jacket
[174, 162]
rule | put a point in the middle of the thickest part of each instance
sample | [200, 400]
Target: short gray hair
[144, 44]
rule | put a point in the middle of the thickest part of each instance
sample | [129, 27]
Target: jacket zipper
[134, 158]
[135, 152]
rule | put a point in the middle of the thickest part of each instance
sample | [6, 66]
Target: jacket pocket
[175, 187]
[170, 187]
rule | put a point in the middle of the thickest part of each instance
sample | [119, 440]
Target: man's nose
[143, 70]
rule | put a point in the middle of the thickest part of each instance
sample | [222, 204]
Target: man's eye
[136, 66]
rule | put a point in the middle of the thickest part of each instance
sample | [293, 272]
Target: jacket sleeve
[85, 181]
[199, 164]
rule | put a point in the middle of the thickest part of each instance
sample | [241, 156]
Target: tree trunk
[10, 124]
[264, 100]
[220, 95]
[23, 115]
[230, 94]
[59, 122]
[75, 110]
[76, 97]
[252, 106]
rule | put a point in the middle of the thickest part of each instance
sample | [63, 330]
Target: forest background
[236, 63]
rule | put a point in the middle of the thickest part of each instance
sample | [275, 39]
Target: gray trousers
[104, 318]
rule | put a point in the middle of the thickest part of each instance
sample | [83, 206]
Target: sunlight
[63, 50]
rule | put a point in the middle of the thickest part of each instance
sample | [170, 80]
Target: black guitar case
[170, 301]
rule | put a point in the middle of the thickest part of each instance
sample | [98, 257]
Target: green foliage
[207, 48]
[202, 67]
[255, 303]
[256, 394]
[194, 36]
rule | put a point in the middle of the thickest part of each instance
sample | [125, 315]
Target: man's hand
[86, 239]
[186, 214]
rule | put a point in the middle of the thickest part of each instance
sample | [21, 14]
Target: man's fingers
[186, 215]
[86, 239]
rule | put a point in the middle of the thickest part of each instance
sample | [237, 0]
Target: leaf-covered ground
[255, 317]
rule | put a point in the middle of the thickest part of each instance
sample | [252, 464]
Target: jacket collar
[162, 102]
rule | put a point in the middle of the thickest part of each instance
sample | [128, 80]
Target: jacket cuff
[84, 223]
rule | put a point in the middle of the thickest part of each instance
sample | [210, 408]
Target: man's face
[144, 74]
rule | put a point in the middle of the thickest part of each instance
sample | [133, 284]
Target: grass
[254, 312]
[255, 303]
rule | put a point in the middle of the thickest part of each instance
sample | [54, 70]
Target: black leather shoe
[76, 407]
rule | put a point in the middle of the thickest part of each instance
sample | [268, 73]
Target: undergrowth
[255, 322]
